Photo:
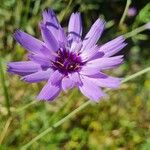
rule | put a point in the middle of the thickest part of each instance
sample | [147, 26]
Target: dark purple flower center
[67, 62]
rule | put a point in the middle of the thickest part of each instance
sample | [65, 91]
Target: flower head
[132, 11]
[66, 60]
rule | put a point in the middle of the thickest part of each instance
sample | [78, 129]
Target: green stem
[60, 122]
[135, 32]
[125, 12]
[24, 107]
[136, 75]
[2, 76]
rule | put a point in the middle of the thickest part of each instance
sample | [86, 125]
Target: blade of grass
[77, 110]
[4, 132]
[5, 88]
[62, 15]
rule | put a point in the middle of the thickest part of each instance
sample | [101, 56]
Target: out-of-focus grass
[122, 122]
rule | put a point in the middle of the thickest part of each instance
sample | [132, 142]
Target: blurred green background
[122, 122]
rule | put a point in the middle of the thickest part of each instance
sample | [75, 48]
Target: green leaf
[144, 14]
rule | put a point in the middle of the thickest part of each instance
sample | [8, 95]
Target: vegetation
[122, 121]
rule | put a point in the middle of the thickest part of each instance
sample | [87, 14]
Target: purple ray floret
[66, 60]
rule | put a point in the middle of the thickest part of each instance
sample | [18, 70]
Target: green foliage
[144, 14]
[122, 122]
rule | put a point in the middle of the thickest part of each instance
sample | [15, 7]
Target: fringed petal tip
[48, 10]
[44, 99]
[114, 46]
[100, 23]
[16, 35]
[48, 13]
[10, 68]
[75, 27]
[40, 98]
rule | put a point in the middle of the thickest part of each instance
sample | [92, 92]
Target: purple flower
[66, 60]
[132, 11]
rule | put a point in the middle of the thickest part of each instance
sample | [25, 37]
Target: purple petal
[40, 59]
[97, 55]
[91, 90]
[75, 78]
[23, 68]
[51, 22]
[67, 83]
[38, 76]
[113, 46]
[104, 80]
[30, 43]
[93, 35]
[88, 70]
[49, 92]
[76, 46]
[90, 53]
[61, 38]
[56, 78]
[47, 53]
[75, 27]
[48, 38]
[105, 63]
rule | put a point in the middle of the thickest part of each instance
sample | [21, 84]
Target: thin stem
[77, 110]
[136, 75]
[125, 12]
[2, 76]
[135, 32]
[24, 107]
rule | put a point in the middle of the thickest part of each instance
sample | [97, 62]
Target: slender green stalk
[60, 122]
[125, 12]
[5, 90]
[24, 107]
[136, 75]
[135, 32]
